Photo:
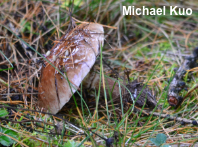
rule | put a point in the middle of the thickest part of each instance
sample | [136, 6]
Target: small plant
[5, 139]
[71, 143]
[160, 140]
[3, 112]
[26, 26]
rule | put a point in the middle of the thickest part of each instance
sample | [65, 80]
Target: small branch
[177, 84]
[180, 119]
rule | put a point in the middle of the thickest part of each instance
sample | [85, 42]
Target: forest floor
[146, 48]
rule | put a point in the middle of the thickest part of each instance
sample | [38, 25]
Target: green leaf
[1, 130]
[159, 140]
[71, 143]
[6, 141]
[3, 112]
[26, 25]
[11, 133]
[166, 145]
[153, 140]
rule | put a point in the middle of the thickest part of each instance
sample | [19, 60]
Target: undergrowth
[148, 47]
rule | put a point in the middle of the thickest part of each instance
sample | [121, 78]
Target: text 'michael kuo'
[174, 10]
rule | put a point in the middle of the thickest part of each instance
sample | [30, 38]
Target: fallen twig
[177, 84]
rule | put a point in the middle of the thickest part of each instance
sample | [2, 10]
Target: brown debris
[141, 94]
[134, 92]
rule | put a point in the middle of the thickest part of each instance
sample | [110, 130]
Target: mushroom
[73, 56]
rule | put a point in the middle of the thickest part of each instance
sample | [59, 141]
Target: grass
[150, 47]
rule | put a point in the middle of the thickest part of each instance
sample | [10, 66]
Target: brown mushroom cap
[73, 55]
